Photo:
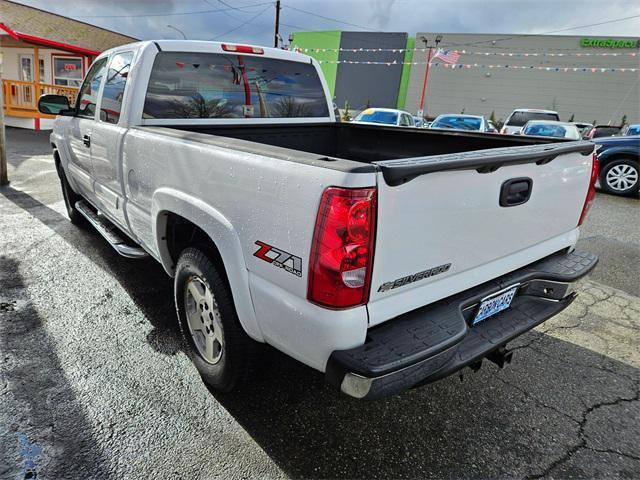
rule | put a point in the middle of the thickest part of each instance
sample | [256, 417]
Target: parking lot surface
[94, 382]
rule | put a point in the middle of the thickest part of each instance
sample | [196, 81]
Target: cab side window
[88, 96]
[406, 120]
[113, 91]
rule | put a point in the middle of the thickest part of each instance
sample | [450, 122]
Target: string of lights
[468, 52]
[454, 66]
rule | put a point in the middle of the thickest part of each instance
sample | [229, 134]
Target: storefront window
[67, 71]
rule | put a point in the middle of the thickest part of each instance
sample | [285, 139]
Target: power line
[243, 23]
[327, 18]
[174, 14]
[226, 14]
[613, 20]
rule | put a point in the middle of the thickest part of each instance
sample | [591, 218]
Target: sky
[252, 21]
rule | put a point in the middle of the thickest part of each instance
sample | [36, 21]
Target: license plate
[495, 304]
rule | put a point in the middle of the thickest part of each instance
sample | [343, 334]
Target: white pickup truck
[387, 258]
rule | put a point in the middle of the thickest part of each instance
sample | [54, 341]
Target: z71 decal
[400, 282]
[279, 258]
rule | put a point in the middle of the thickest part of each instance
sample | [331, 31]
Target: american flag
[447, 56]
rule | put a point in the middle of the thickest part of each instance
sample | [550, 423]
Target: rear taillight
[228, 47]
[591, 193]
[342, 251]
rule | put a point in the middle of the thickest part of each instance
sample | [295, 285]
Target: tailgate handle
[515, 191]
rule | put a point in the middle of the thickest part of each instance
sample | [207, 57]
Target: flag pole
[426, 74]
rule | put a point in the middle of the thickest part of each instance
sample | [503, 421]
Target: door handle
[515, 192]
[86, 139]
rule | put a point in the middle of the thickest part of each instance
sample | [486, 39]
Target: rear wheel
[70, 198]
[620, 177]
[217, 344]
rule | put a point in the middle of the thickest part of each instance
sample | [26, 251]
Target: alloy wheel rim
[203, 320]
[622, 177]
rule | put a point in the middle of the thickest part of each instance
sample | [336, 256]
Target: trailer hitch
[500, 356]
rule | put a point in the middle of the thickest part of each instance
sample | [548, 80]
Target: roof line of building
[46, 42]
[71, 18]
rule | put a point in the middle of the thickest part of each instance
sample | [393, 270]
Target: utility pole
[426, 73]
[4, 178]
[276, 32]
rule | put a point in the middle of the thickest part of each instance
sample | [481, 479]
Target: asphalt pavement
[94, 382]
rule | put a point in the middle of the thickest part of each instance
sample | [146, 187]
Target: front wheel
[70, 198]
[620, 177]
[216, 342]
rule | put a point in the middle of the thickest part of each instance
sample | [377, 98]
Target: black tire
[70, 198]
[237, 349]
[623, 163]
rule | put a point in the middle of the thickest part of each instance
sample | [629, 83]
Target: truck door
[107, 138]
[82, 124]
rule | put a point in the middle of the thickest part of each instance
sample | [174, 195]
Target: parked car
[476, 123]
[418, 121]
[385, 116]
[619, 159]
[583, 127]
[600, 131]
[347, 246]
[631, 130]
[520, 116]
[546, 128]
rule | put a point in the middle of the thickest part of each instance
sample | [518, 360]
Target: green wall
[406, 72]
[326, 39]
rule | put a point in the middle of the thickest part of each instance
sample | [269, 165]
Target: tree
[623, 122]
[198, 107]
[571, 118]
[346, 114]
[462, 112]
[287, 107]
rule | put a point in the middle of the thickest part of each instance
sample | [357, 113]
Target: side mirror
[54, 105]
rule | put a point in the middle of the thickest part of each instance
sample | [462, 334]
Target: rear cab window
[187, 85]
[518, 119]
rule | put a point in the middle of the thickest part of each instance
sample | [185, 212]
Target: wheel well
[181, 233]
[618, 156]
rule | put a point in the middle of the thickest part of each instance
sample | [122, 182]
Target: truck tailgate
[442, 228]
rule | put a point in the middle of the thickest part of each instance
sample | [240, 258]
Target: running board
[109, 231]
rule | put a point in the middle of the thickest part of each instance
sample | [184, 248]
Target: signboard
[609, 43]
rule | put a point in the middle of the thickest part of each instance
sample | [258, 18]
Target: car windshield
[518, 119]
[214, 85]
[378, 116]
[634, 130]
[459, 123]
[552, 130]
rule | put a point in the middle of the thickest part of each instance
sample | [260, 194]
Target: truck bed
[364, 143]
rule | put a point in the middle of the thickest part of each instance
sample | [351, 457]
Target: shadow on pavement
[479, 428]
[56, 431]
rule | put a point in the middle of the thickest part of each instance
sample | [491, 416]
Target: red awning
[48, 43]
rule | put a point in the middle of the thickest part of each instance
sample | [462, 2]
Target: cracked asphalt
[94, 382]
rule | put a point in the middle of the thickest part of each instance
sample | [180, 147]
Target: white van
[520, 116]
